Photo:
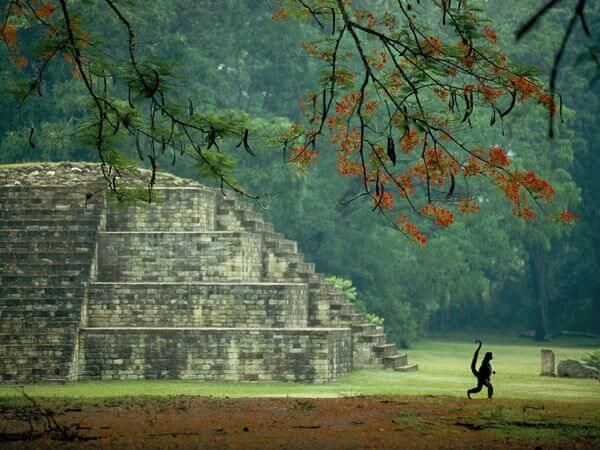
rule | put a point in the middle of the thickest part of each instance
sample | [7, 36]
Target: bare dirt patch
[265, 423]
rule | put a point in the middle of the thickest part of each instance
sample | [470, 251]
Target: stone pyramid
[196, 286]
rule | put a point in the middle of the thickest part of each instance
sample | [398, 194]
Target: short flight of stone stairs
[47, 243]
[327, 306]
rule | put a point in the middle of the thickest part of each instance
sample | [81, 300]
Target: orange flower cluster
[436, 167]
[568, 217]
[343, 77]
[385, 200]
[346, 166]
[280, 14]
[365, 17]
[406, 184]
[410, 140]
[440, 216]
[303, 156]
[538, 187]
[348, 141]
[468, 59]
[512, 191]
[44, 10]
[432, 46]
[19, 61]
[371, 107]
[378, 59]
[410, 229]
[347, 105]
[468, 205]
[498, 157]
[526, 89]
[311, 49]
[526, 213]
[8, 33]
[490, 34]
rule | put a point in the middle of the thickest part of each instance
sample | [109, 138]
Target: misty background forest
[488, 271]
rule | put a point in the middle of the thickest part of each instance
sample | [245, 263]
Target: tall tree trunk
[538, 267]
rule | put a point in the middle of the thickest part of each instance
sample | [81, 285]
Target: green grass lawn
[443, 371]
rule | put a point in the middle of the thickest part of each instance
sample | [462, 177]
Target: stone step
[385, 350]
[39, 325]
[375, 339]
[357, 319]
[224, 204]
[258, 227]
[83, 256]
[336, 300]
[43, 266]
[407, 368]
[56, 189]
[47, 214]
[302, 267]
[46, 200]
[337, 322]
[288, 256]
[7, 275]
[26, 312]
[63, 246]
[272, 236]
[337, 307]
[42, 303]
[49, 337]
[40, 280]
[245, 215]
[281, 245]
[364, 328]
[88, 236]
[348, 309]
[398, 360]
[48, 291]
[61, 224]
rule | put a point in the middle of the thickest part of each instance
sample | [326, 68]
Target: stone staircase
[327, 305]
[197, 286]
[47, 244]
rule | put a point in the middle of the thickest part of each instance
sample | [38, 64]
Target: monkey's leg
[475, 390]
[490, 388]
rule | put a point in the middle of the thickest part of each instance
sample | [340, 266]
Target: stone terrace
[197, 286]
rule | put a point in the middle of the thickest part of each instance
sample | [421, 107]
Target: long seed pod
[212, 137]
[30, 139]
[452, 187]
[391, 150]
[246, 145]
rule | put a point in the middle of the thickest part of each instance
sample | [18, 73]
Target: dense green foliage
[489, 270]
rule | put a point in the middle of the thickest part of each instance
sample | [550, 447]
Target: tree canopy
[414, 104]
[396, 99]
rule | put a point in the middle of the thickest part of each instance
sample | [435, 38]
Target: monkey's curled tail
[474, 362]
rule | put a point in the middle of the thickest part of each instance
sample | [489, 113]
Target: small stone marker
[548, 367]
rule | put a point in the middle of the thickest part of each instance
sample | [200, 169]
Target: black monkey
[483, 374]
